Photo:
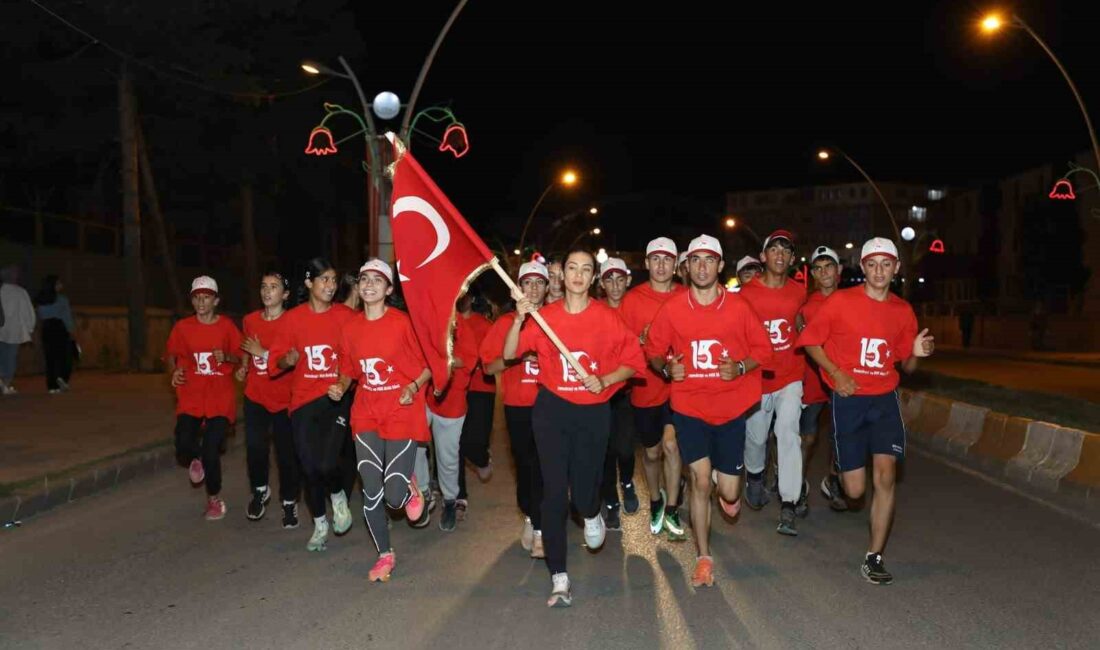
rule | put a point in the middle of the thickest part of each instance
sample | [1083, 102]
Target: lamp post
[730, 223]
[595, 232]
[567, 179]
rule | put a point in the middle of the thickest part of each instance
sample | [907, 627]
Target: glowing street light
[730, 222]
[908, 234]
[596, 231]
[593, 210]
[516, 251]
[823, 155]
[568, 178]
[311, 68]
[992, 23]
[849, 245]
[601, 256]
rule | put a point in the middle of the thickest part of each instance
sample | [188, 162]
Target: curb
[1054, 464]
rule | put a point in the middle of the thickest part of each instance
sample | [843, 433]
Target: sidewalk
[1084, 359]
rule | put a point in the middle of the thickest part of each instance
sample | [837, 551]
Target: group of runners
[701, 377]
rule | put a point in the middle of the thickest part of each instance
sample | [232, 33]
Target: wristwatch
[665, 373]
[740, 368]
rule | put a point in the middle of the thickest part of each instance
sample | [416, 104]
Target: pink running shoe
[196, 472]
[731, 509]
[382, 568]
[215, 509]
[414, 507]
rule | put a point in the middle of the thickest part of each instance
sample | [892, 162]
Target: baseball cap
[878, 246]
[778, 234]
[204, 283]
[747, 260]
[661, 245]
[612, 265]
[705, 243]
[681, 258]
[825, 251]
[378, 266]
[536, 269]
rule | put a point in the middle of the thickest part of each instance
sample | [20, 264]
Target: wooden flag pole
[577, 367]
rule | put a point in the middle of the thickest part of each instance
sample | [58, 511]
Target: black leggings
[258, 421]
[620, 449]
[320, 433]
[189, 430]
[386, 467]
[572, 442]
[58, 348]
[526, 457]
[474, 443]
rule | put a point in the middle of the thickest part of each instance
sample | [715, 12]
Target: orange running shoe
[703, 575]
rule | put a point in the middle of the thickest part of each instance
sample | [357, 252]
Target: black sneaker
[611, 517]
[802, 508]
[450, 516]
[832, 490]
[756, 497]
[425, 519]
[630, 499]
[874, 571]
[290, 514]
[786, 520]
[258, 505]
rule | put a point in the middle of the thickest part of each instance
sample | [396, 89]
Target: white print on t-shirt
[871, 354]
[203, 365]
[260, 362]
[702, 356]
[780, 332]
[376, 372]
[530, 370]
[567, 373]
[320, 358]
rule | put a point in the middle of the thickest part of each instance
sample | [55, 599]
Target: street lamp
[593, 210]
[825, 154]
[730, 222]
[595, 232]
[567, 179]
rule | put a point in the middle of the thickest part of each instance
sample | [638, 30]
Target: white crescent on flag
[425, 209]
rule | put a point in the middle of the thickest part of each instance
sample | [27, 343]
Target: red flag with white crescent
[438, 256]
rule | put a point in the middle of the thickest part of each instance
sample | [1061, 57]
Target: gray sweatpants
[446, 432]
[785, 405]
[385, 467]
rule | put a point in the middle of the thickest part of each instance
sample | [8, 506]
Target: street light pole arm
[523, 235]
[371, 132]
[424, 69]
[875, 187]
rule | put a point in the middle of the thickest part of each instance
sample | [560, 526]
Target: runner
[722, 338]
[571, 417]
[748, 267]
[649, 393]
[555, 291]
[777, 301]
[519, 386]
[615, 279]
[266, 399]
[825, 269]
[379, 350]
[307, 341]
[856, 338]
[682, 270]
[200, 359]
[473, 323]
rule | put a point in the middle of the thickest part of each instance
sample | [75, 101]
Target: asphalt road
[975, 566]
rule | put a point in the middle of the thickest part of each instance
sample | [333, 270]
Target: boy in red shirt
[721, 336]
[856, 338]
[201, 358]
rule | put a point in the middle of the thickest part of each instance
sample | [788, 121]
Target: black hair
[47, 295]
[314, 268]
[277, 274]
[595, 264]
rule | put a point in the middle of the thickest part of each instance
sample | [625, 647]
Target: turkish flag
[438, 256]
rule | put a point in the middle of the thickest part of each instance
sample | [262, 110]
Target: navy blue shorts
[650, 422]
[865, 425]
[723, 443]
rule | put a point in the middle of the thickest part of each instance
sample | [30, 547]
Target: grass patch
[1057, 409]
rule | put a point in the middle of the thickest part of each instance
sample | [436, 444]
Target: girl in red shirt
[200, 360]
[571, 416]
[472, 322]
[379, 350]
[266, 399]
[307, 342]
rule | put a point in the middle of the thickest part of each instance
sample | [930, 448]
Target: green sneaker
[657, 515]
[674, 527]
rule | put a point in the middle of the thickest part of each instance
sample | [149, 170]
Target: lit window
[917, 213]
[936, 195]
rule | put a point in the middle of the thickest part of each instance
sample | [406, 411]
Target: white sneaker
[63, 384]
[54, 391]
[320, 535]
[9, 390]
[594, 532]
[527, 537]
[561, 595]
[341, 516]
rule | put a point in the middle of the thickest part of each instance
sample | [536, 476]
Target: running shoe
[461, 505]
[703, 575]
[786, 521]
[561, 595]
[485, 473]
[449, 517]
[54, 391]
[612, 518]
[258, 505]
[674, 527]
[657, 515]
[62, 384]
[538, 551]
[341, 516]
[527, 535]
[595, 531]
[630, 499]
[756, 497]
[382, 569]
[431, 501]
[196, 472]
[874, 571]
[320, 535]
[831, 490]
[290, 514]
[414, 507]
[731, 509]
[802, 508]
[8, 389]
[215, 509]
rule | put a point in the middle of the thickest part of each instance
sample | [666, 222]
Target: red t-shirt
[384, 356]
[638, 308]
[478, 326]
[518, 383]
[705, 334]
[813, 391]
[777, 309]
[209, 391]
[598, 340]
[452, 402]
[863, 337]
[269, 390]
[315, 337]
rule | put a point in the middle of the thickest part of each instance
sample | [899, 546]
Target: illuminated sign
[455, 140]
[1062, 190]
[320, 142]
[936, 247]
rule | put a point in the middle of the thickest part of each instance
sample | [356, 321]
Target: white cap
[378, 266]
[661, 245]
[536, 269]
[705, 243]
[746, 261]
[204, 283]
[681, 258]
[825, 251]
[612, 265]
[878, 246]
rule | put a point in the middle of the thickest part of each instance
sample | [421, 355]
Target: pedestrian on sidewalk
[16, 324]
[58, 345]
[201, 358]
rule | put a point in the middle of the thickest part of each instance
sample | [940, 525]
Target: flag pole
[577, 367]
